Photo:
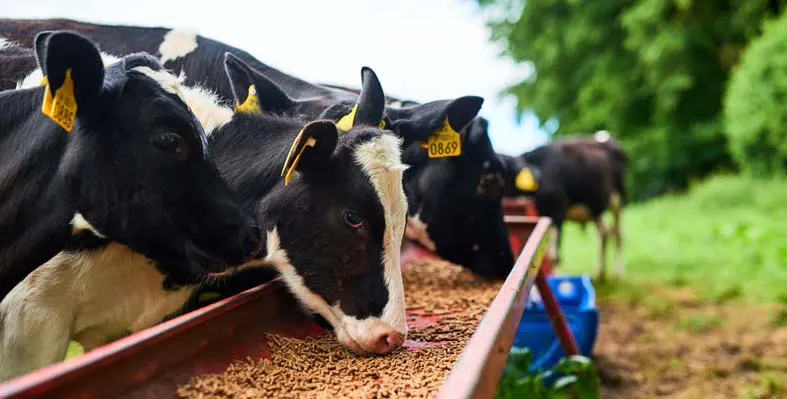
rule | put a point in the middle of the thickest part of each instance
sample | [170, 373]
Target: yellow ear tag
[44, 81]
[62, 108]
[525, 181]
[288, 169]
[251, 104]
[346, 122]
[445, 142]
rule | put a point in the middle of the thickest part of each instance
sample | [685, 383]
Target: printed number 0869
[443, 149]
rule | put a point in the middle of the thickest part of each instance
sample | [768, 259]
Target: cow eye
[171, 143]
[353, 219]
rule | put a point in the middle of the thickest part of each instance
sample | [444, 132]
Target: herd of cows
[139, 178]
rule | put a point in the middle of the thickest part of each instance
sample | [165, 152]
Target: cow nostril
[388, 342]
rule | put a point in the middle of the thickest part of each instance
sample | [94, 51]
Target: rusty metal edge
[51, 377]
[478, 371]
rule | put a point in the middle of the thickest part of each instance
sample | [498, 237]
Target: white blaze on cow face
[177, 43]
[380, 159]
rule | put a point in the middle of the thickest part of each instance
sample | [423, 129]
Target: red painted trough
[153, 362]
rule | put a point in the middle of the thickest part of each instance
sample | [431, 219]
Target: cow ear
[311, 149]
[74, 74]
[253, 91]
[370, 106]
[40, 48]
[462, 111]
[419, 122]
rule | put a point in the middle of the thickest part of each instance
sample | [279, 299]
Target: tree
[652, 72]
[755, 107]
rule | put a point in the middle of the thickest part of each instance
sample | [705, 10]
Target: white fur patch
[380, 159]
[33, 79]
[177, 43]
[6, 43]
[91, 297]
[204, 103]
[79, 223]
[416, 231]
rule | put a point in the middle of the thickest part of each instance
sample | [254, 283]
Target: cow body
[333, 233]
[112, 174]
[578, 179]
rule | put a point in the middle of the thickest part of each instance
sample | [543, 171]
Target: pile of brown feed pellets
[321, 368]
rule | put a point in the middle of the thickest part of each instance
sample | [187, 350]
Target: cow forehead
[174, 85]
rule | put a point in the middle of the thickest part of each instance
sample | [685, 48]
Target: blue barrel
[577, 300]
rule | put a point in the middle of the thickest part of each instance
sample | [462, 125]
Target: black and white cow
[333, 220]
[466, 228]
[574, 179]
[130, 164]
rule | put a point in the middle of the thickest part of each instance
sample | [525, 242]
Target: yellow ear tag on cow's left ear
[445, 142]
[62, 108]
[289, 168]
[251, 104]
[525, 181]
[345, 123]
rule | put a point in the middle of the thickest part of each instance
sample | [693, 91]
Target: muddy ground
[677, 346]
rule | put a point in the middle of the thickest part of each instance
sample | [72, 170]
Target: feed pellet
[321, 368]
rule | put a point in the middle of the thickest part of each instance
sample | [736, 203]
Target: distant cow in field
[112, 152]
[575, 179]
[333, 212]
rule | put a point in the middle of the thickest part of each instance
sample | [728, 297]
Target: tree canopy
[652, 72]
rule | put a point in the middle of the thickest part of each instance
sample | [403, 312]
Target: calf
[477, 239]
[115, 153]
[455, 203]
[333, 220]
[575, 179]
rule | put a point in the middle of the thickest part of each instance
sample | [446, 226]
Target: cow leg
[554, 243]
[602, 250]
[619, 266]
[31, 335]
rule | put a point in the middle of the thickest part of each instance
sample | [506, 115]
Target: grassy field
[725, 239]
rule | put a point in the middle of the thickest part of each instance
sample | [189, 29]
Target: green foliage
[724, 239]
[578, 378]
[755, 106]
[652, 72]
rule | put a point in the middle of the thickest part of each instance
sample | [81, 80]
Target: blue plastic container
[577, 300]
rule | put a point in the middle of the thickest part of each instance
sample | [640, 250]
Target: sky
[421, 50]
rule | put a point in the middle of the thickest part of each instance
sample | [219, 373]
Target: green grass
[726, 239]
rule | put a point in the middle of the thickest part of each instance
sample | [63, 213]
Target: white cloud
[421, 50]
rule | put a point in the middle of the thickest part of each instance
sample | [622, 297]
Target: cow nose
[254, 243]
[388, 341]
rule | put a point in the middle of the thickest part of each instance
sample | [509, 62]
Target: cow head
[455, 202]
[137, 160]
[336, 220]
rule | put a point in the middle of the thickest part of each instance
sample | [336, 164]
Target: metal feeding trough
[153, 362]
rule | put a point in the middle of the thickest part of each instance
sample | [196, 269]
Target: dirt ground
[681, 347]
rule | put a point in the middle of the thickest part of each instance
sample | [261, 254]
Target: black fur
[178, 211]
[289, 95]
